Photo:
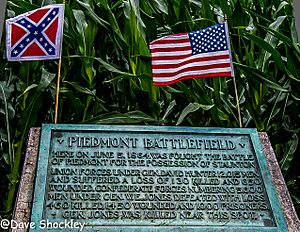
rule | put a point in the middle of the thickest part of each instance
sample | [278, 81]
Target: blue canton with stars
[211, 39]
[36, 33]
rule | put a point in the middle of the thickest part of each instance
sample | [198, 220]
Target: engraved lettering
[187, 178]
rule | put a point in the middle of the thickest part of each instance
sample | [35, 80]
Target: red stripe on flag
[188, 69]
[169, 41]
[186, 48]
[179, 57]
[220, 74]
[196, 59]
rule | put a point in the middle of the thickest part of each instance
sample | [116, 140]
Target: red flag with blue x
[35, 35]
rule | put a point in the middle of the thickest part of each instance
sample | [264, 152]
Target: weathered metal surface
[129, 178]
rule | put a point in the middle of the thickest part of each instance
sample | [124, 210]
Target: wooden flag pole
[234, 80]
[58, 79]
[237, 103]
[57, 90]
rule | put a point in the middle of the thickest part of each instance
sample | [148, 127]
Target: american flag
[197, 54]
[35, 35]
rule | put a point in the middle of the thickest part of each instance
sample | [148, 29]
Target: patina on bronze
[132, 178]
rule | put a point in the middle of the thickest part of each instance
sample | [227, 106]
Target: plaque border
[42, 166]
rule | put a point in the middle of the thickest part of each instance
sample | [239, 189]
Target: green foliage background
[106, 76]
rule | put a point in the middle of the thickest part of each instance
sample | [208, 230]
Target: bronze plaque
[135, 178]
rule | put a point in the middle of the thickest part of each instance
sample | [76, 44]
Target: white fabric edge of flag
[202, 55]
[229, 47]
[192, 64]
[199, 72]
[170, 45]
[166, 54]
[170, 37]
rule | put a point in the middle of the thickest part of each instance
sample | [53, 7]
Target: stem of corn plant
[12, 182]
[10, 150]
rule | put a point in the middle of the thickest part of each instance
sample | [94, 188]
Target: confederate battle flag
[35, 35]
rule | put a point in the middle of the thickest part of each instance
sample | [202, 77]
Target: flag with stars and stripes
[197, 54]
[35, 35]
